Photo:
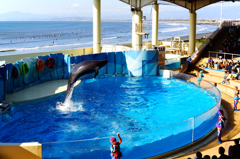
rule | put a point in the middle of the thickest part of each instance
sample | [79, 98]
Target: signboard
[161, 56]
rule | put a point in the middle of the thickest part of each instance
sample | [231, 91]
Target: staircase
[218, 40]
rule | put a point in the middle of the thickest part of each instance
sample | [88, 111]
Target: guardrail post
[193, 131]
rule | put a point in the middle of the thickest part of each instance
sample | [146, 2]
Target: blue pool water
[103, 107]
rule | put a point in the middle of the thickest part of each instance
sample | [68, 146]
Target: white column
[136, 38]
[192, 32]
[155, 9]
[96, 26]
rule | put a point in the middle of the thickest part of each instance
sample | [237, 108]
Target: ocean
[40, 36]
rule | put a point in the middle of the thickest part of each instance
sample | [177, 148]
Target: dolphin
[79, 70]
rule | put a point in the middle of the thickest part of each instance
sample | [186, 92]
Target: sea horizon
[42, 36]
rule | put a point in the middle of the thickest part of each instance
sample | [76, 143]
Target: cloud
[75, 5]
[124, 7]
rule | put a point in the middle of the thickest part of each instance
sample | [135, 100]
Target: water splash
[69, 106]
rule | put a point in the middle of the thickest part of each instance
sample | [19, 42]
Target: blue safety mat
[9, 78]
[111, 66]
[54, 74]
[60, 65]
[45, 74]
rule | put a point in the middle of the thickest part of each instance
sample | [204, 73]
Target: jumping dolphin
[79, 70]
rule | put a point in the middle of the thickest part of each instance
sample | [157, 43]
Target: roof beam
[138, 4]
[193, 4]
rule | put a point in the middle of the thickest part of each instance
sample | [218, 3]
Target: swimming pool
[139, 108]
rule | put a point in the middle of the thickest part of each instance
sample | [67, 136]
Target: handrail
[194, 55]
[224, 53]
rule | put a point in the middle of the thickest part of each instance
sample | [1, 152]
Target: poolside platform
[40, 92]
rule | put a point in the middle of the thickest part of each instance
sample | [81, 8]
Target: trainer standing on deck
[115, 147]
[220, 125]
[189, 60]
[235, 97]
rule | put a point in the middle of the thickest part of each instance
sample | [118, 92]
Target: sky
[112, 9]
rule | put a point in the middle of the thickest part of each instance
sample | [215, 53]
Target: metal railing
[172, 60]
[215, 54]
[142, 28]
[185, 65]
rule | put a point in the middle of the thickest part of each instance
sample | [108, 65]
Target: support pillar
[155, 10]
[136, 38]
[96, 26]
[192, 32]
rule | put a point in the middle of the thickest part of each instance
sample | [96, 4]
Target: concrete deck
[40, 92]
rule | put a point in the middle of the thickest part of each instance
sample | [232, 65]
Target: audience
[214, 157]
[232, 63]
[221, 151]
[206, 157]
[234, 151]
[231, 42]
[237, 64]
[210, 63]
[220, 60]
[229, 67]
[225, 77]
[233, 68]
[225, 63]
[198, 155]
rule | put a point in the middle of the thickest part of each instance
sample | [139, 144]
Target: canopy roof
[192, 5]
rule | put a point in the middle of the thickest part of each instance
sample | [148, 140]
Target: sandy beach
[186, 38]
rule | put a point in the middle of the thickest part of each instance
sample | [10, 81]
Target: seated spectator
[234, 151]
[229, 68]
[234, 69]
[225, 42]
[224, 50]
[229, 77]
[206, 157]
[220, 50]
[220, 59]
[238, 75]
[225, 77]
[228, 50]
[237, 64]
[219, 67]
[198, 155]
[210, 63]
[214, 157]
[232, 63]
[221, 151]
[225, 63]
[230, 151]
